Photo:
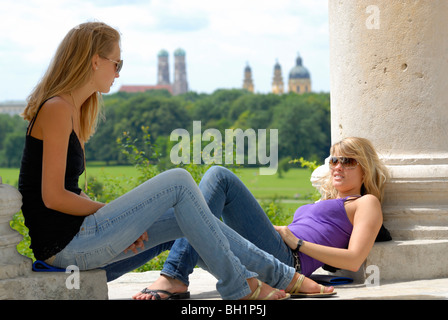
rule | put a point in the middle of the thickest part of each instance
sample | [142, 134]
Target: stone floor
[202, 287]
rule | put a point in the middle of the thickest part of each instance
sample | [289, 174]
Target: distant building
[12, 107]
[299, 78]
[277, 80]
[180, 84]
[163, 72]
[248, 83]
[144, 88]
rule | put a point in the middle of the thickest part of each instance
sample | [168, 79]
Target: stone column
[12, 264]
[389, 69]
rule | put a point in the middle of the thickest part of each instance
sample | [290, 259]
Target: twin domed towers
[180, 84]
[299, 78]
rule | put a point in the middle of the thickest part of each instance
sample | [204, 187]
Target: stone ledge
[52, 286]
[410, 259]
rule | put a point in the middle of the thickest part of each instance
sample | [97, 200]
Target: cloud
[218, 36]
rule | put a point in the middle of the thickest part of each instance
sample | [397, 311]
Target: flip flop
[295, 291]
[257, 291]
[170, 296]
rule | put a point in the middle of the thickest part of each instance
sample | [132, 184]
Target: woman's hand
[138, 243]
[288, 237]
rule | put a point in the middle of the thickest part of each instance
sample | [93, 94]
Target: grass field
[295, 184]
[293, 189]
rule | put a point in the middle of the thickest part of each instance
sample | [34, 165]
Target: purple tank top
[325, 223]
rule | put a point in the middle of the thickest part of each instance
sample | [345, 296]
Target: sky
[220, 38]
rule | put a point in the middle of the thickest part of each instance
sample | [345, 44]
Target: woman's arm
[366, 224]
[54, 125]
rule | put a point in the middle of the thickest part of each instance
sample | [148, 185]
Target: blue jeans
[167, 207]
[228, 198]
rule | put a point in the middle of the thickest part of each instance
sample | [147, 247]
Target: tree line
[302, 121]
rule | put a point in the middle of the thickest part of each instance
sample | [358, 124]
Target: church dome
[163, 53]
[179, 52]
[299, 71]
[277, 65]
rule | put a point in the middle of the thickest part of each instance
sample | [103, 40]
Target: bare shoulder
[55, 117]
[368, 200]
[57, 107]
[369, 207]
[365, 201]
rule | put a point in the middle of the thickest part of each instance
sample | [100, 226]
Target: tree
[300, 121]
[13, 149]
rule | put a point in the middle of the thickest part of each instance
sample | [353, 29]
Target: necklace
[83, 149]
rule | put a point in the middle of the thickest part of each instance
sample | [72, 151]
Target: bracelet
[299, 244]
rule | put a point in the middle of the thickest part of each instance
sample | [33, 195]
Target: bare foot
[308, 286]
[266, 291]
[162, 283]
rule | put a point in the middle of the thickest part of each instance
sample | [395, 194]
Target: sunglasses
[118, 64]
[347, 163]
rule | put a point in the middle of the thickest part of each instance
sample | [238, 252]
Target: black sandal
[170, 296]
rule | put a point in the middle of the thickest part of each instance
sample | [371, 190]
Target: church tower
[248, 84]
[163, 73]
[299, 78]
[180, 84]
[277, 80]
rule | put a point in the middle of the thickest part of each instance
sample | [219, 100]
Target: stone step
[405, 260]
[420, 233]
[56, 286]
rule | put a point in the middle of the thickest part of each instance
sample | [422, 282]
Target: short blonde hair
[375, 172]
[71, 68]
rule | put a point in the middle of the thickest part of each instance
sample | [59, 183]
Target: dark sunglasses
[118, 64]
[347, 163]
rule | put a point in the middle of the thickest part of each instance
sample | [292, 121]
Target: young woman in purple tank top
[339, 230]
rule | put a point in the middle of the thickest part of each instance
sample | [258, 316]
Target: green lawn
[295, 184]
[292, 190]
[10, 176]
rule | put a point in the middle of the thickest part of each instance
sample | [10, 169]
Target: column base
[52, 286]
[416, 203]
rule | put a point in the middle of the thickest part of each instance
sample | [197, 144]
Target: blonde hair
[375, 172]
[71, 68]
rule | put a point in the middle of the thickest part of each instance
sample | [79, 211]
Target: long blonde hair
[375, 172]
[71, 68]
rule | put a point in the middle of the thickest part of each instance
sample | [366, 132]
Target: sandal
[257, 291]
[170, 296]
[295, 291]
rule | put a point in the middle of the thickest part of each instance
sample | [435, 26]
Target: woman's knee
[181, 176]
[218, 173]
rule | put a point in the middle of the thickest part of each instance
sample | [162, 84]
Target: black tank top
[50, 231]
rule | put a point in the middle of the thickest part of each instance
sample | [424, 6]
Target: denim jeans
[167, 207]
[228, 198]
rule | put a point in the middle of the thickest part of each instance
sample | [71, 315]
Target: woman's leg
[268, 268]
[229, 198]
[107, 233]
[116, 269]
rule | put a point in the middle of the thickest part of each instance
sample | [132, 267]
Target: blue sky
[219, 38]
